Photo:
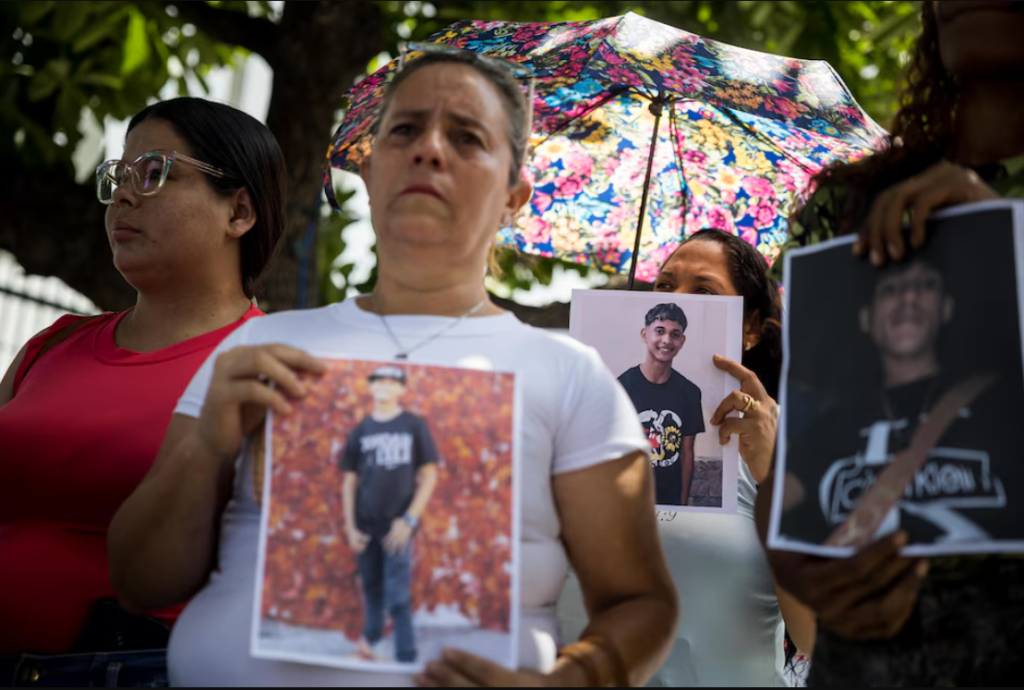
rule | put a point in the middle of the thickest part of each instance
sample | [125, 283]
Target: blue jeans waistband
[145, 669]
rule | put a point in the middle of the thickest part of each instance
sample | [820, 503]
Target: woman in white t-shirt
[731, 629]
[444, 176]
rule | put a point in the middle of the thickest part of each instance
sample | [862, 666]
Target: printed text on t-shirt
[390, 449]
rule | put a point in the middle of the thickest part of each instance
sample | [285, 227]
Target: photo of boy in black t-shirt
[669, 405]
[390, 473]
[965, 492]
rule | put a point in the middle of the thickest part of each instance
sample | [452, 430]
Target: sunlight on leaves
[136, 45]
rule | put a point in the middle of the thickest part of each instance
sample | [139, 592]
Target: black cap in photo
[389, 372]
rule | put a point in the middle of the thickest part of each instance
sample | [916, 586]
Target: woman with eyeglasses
[194, 211]
[444, 176]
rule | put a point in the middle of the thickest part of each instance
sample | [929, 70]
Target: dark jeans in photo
[387, 588]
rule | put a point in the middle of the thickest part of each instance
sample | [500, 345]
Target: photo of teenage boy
[390, 473]
[669, 404]
[963, 491]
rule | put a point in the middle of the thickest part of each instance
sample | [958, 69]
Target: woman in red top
[195, 210]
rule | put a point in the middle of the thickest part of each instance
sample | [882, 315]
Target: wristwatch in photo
[411, 521]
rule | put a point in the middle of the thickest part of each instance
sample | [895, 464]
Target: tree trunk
[320, 50]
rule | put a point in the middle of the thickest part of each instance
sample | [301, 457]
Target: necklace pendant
[403, 355]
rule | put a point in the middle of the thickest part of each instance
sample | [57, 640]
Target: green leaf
[108, 81]
[69, 108]
[99, 31]
[69, 19]
[120, 107]
[136, 45]
[201, 78]
[226, 54]
[41, 137]
[42, 86]
[761, 14]
[893, 28]
[157, 40]
[32, 12]
[791, 36]
[60, 68]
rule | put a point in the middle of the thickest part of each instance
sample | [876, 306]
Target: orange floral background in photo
[463, 550]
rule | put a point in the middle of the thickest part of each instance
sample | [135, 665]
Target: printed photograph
[660, 346]
[902, 392]
[389, 519]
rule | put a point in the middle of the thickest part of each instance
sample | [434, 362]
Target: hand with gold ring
[758, 426]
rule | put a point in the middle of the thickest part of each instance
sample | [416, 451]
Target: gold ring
[751, 404]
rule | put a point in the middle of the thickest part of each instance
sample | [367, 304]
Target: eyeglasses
[147, 174]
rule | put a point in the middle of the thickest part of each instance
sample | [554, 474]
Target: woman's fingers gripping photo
[757, 427]
[248, 381]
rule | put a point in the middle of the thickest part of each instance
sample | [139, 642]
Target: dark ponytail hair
[241, 146]
[921, 133]
[749, 272]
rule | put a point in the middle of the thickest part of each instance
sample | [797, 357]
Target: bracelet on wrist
[582, 653]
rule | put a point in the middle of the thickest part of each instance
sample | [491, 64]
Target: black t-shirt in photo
[971, 487]
[670, 412]
[386, 457]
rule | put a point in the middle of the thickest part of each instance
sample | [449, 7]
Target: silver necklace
[403, 352]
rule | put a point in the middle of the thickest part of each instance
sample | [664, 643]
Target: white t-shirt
[575, 415]
[730, 630]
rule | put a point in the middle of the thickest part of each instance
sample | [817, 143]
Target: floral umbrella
[617, 188]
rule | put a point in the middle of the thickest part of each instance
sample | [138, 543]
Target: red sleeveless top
[80, 434]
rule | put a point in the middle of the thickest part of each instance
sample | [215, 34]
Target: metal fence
[28, 304]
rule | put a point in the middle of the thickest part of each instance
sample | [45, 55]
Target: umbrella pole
[656, 109]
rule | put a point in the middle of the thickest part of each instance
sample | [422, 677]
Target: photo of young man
[668, 404]
[389, 475]
[962, 492]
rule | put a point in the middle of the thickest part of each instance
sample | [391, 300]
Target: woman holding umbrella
[443, 177]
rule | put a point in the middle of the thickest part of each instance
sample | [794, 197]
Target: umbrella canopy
[638, 125]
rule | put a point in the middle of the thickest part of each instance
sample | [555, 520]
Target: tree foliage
[63, 63]
[60, 58]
